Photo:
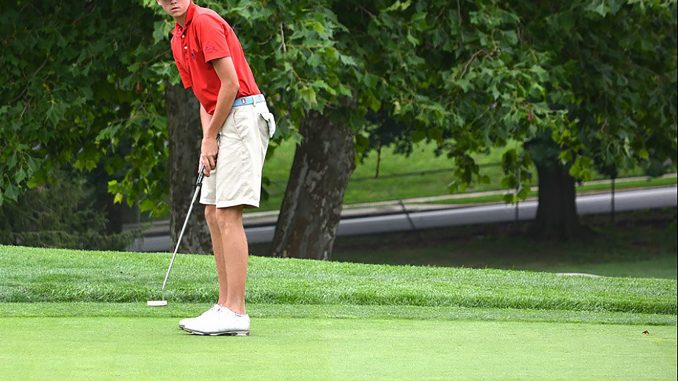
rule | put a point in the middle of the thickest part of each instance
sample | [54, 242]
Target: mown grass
[47, 275]
[421, 174]
[362, 186]
[81, 315]
[110, 348]
[636, 244]
[326, 311]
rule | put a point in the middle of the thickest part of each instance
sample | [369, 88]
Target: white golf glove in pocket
[270, 122]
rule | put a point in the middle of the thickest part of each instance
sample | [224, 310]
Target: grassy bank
[47, 275]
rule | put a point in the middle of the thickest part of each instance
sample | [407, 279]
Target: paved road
[464, 215]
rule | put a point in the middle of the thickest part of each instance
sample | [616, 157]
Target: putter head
[156, 303]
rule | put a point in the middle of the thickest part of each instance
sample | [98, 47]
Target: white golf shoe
[222, 322]
[214, 310]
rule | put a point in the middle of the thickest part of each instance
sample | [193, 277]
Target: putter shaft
[198, 184]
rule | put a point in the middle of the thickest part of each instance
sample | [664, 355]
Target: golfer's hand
[208, 155]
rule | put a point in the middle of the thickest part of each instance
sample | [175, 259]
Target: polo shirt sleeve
[212, 36]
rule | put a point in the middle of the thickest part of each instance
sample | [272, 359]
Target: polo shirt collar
[189, 16]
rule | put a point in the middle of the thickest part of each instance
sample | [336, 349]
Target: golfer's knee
[229, 218]
[211, 215]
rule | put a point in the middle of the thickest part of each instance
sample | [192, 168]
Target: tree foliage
[596, 78]
[613, 68]
[63, 214]
[83, 86]
[74, 84]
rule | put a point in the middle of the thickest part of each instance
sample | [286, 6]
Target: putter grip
[201, 175]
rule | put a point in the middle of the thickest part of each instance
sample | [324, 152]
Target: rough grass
[47, 275]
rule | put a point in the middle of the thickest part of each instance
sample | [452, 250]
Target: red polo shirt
[204, 37]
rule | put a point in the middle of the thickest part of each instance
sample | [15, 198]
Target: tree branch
[461, 30]
[282, 36]
[23, 92]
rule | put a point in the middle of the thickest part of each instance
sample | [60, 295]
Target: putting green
[96, 348]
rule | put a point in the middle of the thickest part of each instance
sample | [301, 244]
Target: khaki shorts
[243, 141]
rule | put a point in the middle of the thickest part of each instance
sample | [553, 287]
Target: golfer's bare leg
[211, 217]
[235, 252]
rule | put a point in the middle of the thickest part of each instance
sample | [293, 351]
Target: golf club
[198, 184]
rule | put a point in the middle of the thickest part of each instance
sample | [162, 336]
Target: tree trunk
[311, 208]
[185, 135]
[557, 217]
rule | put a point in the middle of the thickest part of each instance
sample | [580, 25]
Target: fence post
[407, 214]
[518, 187]
[612, 200]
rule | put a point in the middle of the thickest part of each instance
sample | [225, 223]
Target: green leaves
[307, 95]
[604, 8]
[84, 87]
[621, 48]
[64, 85]
[516, 166]
[399, 6]
[584, 74]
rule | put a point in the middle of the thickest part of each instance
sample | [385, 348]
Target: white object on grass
[580, 274]
[156, 303]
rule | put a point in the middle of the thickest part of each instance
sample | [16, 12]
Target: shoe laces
[215, 308]
[232, 313]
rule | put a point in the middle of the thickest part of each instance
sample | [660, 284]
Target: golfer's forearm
[225, 98]
[205, 120]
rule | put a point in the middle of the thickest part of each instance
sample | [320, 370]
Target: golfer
[236, 126]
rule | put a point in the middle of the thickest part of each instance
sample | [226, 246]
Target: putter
[198, 184]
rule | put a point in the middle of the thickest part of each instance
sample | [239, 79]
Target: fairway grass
[333, 349]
